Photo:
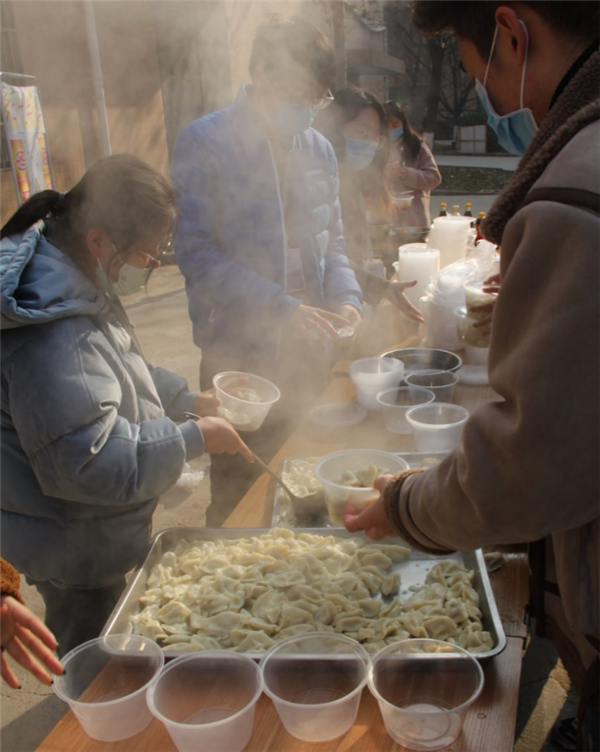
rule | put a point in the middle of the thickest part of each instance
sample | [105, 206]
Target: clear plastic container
[207, 700]
[437, 427]
[424, 688]
[371, 375]
[441, 383]
[475, 298]
[105, 683]
[469, 333]
[330, 469]
[246, 412]
[397, 401]
[315, 682]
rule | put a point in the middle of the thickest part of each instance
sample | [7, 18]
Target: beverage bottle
[468, 212]
[443, 210]
[456, 210]
[478, 221]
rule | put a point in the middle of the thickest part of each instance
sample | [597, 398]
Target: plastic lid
[339, 414]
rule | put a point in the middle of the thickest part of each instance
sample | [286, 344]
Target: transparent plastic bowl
[424, 688]
[207, 700]
[425, 359]
[475, 297]
[243, 414]
[469, 334]
[371, 375]
[330, 468]
[437, 427]
[397, 401]
[315, 682]
[105, 684]
[441, 383]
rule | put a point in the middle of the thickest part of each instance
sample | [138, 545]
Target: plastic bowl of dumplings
[245, 399]
[316, 681]
[105, 683]
[207, 700]
[347, 478]
[424, 688]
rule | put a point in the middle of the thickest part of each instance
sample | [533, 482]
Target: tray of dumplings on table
[245, 589]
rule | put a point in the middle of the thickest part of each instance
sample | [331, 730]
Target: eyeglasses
[316, 104]
[165, 246]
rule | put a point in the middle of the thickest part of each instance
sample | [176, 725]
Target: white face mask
[131, 279]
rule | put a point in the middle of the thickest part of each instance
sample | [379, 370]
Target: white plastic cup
[207, 700]
[371, 375]
[316, 681]
[424, 688]
[441, 383]
[243, 414]
[397, 401]
[329, 469]
[437, 427]
[105, 684]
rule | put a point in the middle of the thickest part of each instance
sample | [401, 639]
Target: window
[10, 62]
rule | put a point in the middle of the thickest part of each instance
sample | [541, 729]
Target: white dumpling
[390, 584]
[440, 627]
[173, 612]
[295, 630]
[255, 642]
[291, 615]
[412, 621]
[326, 612]
[222, 624]
[268, 606]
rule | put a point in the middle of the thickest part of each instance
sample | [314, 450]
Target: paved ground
[27, 715]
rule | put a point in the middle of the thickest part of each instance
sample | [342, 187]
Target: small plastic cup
[437, 427]
[371, 375]
[207, 700]
[244, 414]
[397, 401]
[316, 681]
[105, 684]
[441, 383]
[424, 688]
[330, 468]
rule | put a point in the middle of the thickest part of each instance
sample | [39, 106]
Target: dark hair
[346, 106]
[120, 194]
[411, 139]
[305, 43]
[475, 19]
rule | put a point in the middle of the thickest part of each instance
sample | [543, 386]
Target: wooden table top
[489, 723]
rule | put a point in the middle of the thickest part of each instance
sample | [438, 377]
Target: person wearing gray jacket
[91, 434]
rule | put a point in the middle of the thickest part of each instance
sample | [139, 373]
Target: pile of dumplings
[246, 594]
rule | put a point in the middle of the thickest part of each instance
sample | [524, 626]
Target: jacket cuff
[352, 300]
[391, 506]
[10, 581]
[182, 404]
[193, 438]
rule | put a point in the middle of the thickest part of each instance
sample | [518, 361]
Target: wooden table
[490, 723]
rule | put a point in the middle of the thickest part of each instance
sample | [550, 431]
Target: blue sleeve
[340, 282]
[213, 273]
[173, 391]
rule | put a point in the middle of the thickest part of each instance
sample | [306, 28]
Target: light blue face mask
[291, 120]
[516, 130]
[396, 133]
[360, 153]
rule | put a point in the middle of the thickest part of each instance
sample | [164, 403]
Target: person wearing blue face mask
[411, 169]
[527, 468]
[356, 127]
[92, 435]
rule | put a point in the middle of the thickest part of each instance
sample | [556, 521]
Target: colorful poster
[25, 131]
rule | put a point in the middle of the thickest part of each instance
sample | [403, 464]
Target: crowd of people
[267, 215]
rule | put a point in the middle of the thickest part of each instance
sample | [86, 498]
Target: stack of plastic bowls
[437, 427]
[371, 375]
[397, 401]
[440, 383]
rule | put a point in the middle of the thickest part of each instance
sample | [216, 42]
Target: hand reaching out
[312, 324]
[28, 641]
[395, 294]
[373, 519]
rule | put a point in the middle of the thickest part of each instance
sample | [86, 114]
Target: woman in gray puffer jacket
[91, 434]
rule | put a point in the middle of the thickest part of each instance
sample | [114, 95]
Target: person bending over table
[527, 467]
[92, 435]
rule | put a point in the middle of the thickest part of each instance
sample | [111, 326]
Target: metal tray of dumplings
[284, 514]
[412, 574]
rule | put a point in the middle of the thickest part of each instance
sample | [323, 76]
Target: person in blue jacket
[259, 238]
[91, 434]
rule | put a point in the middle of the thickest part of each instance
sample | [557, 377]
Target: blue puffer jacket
[86, 446]
[231, 239]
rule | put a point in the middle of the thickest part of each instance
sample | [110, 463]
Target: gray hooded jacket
[88, 432]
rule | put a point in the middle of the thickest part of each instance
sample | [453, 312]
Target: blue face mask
[291, 120]
[396, 133]
[360, 153]
[516, 130]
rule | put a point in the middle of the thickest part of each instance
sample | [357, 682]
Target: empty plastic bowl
[245, 399]
[424, 688]
[397, 401]
[425, 359]
[105, 684]
[371, 375]
[437, 427]
[315, 682]
[207, 700]
[331, 468]
[441, 383]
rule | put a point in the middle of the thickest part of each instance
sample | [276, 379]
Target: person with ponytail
[92, 435]
[411, 167]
